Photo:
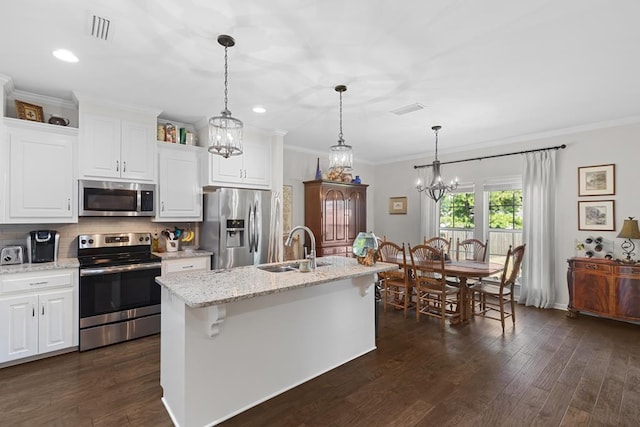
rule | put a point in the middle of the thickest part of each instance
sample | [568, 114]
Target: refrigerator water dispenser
[235, 233]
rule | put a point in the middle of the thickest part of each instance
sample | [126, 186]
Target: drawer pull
[38, 283]
[592, 267]
[187, 266]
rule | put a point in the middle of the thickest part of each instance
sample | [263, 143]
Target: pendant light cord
[226, 75]
[340, 139]
[436, 131]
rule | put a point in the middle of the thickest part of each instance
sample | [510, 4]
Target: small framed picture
[596, 215]
[397, 205]
[597, 180]
[26, 111]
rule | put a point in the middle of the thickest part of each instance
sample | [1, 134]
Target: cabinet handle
[161, 206]
[38, 283]
[117, 165]
[43, 309]
[68, 204]
[240, 173]
[33, 311]
[124, 166]
[245, 173]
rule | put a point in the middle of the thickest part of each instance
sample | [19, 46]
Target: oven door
[112, 294]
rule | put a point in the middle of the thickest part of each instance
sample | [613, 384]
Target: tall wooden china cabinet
[336, 212]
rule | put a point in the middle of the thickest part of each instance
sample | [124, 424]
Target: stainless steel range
[119, 297]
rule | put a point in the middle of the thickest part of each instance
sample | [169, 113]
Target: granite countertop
[183, 254]
[62, 263]
[205, 288]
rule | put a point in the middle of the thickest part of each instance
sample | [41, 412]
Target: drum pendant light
[225, 132]
[341, 154]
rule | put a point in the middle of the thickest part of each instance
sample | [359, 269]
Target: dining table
[463, 270]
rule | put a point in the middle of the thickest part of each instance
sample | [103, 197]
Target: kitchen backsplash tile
[16, 234]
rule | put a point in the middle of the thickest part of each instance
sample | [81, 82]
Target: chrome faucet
[312, 252]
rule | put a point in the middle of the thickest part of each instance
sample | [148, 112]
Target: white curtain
[429, 218]
[538, 230]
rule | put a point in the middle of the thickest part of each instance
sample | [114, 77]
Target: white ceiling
[487, 71]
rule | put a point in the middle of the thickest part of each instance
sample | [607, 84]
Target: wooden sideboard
[606, 288]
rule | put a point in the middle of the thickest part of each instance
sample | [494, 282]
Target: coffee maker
[42, 246]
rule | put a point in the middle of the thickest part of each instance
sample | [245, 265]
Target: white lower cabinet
[38, 313]
[185, 264]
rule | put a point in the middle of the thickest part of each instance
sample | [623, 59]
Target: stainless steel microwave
[108, 198]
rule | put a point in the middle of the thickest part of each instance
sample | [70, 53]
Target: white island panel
[222, 359]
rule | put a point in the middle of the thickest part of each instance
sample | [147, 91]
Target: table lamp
[629, 231]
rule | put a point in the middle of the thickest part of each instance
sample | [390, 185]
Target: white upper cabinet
[179, 183]
[100, 152]
[41, 185]
[117, 142]
[252, 169]
[116, 148]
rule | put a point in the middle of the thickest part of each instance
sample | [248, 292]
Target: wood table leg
[463, 307]
[464, 297]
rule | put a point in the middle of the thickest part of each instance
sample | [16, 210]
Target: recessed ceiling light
[259, 109]
[65, 55]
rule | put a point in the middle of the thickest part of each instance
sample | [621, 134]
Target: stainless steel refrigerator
[236, 227]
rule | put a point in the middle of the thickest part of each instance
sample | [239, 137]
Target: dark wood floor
[548, 371]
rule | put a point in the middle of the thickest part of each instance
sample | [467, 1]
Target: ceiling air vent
[408, 109]
[100, 27]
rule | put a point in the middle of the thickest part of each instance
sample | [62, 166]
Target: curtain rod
[557, 147]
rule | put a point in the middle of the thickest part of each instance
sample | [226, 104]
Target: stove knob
[83, 241]
[146, 239]
[91, 241]
[141, 239]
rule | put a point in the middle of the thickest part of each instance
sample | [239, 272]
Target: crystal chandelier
[341, 155]
[436, 189]
[225, 132]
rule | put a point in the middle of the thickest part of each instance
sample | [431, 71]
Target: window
[505, 222]
[493, 212]
[457, 219]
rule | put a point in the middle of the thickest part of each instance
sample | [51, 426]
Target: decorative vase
[318, 171]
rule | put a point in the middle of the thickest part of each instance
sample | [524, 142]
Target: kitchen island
[232, 339]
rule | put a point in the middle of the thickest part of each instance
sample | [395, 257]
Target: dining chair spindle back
[434, 297]
[396, 284]
[488, 298]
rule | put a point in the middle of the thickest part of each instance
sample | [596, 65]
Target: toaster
[11, 255]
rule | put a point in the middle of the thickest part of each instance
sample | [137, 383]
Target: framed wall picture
[397, 205]
[597, 180]
[26, 111]
[596, 215]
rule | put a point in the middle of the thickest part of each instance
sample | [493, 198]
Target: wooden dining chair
[395, 284]
[488, 298]
[471, 250]
[440, 244]
[434, 297]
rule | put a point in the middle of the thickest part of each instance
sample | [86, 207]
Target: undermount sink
[286, 267]
[277, 268]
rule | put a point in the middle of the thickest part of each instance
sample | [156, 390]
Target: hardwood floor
[547, 371]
